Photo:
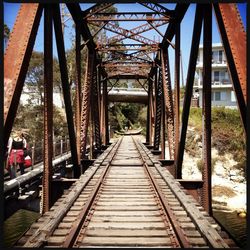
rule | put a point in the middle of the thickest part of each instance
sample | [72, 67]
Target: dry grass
[222, 190]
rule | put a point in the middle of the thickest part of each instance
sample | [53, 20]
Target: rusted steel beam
[105, 105]
[134, 32]
[206, 109]
[149, 48]
[148, 114]
[168, 100]
[95, 9]
[180, 11]
[128, 76]
[16, 60]
[234, 41]
[150, 23]
[127, 34]
[142, 85]
[78, 91]
[122, 62]
[128, 16]
[48, 109]
[132, 64]
[177, 92]
[95, 109]
[66, 88]
[159, 9]
[139, 56]
[125, 71]
[158, 109]
[163, 115]
[76, 13]
[86, 91]
[189, 87]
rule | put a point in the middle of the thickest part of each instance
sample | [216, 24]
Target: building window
[216, 76]
[233, 99]
[217, 56]
[220, 56]
[217, 96]
[223, 96]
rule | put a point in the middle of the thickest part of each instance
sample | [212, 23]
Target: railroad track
[126, 199]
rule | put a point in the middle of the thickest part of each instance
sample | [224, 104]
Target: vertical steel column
[16, 60]
[48, 108]
[66, 88]
[152, 110]
[78, 91]
[206, 109]
[189, 87]
[234, 42]
[168, 100]
[158, 101]
[99, 91]
[148, 132]
[163, 114]
[95, 109]
[105, 110]
[91, 135]
[86, 102]
[177, 92]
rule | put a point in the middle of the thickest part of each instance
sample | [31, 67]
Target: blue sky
[11, 9]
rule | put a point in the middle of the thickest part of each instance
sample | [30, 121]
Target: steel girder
[48, 109]
[177, 92]
[95, 9]
[66, 88]
[159, 9]
[158, 108]
[76, 14]
[234, 41]
[16, 60]
[168, 99]
[127, 16]
[134, 33]
[206, 109]
[189, 88]
[86, 92]
[78, 98]
[127, 34]
[95, 109]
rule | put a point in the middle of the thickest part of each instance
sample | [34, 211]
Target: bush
[200, 164]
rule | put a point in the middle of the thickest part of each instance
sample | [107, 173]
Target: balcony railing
[218, 83]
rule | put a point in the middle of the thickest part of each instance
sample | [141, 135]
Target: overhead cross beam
[127, 16]
[135, 31]
[95, 9]
[130, 34]
[159, 9]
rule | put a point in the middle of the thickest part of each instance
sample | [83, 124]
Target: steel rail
[207, 231]
[40, 236]
[76, 226]
[170, 215]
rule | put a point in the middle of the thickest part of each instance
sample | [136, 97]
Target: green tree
[6, 34]
[35, 77]
[30, 118]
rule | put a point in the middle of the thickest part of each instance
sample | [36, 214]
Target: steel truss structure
[113, 59]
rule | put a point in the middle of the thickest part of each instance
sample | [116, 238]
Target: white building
[222, 89]
[28, 92]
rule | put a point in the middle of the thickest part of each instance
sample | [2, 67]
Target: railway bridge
[130, 195]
